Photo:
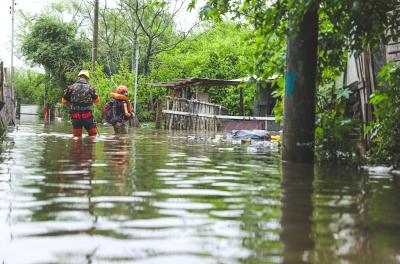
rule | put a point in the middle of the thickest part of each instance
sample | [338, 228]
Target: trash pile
[248, 135]
[252, 140]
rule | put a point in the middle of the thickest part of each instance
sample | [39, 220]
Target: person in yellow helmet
[80, 97]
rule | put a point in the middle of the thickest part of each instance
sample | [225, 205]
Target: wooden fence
[187, 114]
[191, 114]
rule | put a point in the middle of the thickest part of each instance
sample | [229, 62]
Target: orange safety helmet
[122, 89]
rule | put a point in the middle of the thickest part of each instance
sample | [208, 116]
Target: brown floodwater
[158, 197]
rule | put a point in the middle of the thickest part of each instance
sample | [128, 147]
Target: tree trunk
[300, 85]
[146, 63]
[296, 212]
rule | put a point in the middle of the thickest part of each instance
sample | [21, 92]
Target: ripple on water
[98, 199]
[182, 203]
[196, 192]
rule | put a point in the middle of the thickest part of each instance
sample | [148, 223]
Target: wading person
[80, 98]
[119, 110]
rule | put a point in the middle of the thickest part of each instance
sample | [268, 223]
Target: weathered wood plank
[179, 113]
[393, 48]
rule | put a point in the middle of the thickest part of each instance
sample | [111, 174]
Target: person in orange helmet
[80, 98]
[122, 108]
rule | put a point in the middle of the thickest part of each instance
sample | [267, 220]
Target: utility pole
[300, 85]
[95, 34]
[12, 10]
[12, 93]
[137, 46]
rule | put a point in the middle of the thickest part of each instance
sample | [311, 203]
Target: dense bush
[29, 86]
[334, 132]
[385, 130]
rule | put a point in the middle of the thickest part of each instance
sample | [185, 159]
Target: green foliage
[218, 52]
[385, 130]
[335, 137]
[354, 23]
[29, 86]
[52, 44]
[230, 98]
[279, 85]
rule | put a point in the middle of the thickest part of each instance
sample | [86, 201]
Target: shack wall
[7, 102]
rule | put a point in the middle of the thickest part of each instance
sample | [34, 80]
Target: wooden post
[159, 114]
[300, 82]
[95, 34]
[167, 102]
[173, 118]
[241, 106]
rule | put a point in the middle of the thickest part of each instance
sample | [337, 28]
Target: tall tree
[53, 44]
[156, 20]
[152, 23]
[299, 99]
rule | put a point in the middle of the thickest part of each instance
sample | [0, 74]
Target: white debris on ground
[261, 142]
[378, 169]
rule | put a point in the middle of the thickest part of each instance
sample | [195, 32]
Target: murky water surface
[155, 197]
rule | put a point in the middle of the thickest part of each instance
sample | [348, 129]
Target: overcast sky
[34, 7]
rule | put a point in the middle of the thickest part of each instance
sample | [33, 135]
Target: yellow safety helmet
[84, 73]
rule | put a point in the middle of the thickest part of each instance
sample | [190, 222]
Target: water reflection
[82, 158]
[297, 212]
[117, 153]
[152, 197]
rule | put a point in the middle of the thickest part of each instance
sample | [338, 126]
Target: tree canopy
[54, 45]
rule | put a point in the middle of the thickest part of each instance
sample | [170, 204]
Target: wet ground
[158, 197]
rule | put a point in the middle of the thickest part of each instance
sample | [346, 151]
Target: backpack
[109, 112]
[81, 93]
[81, 97]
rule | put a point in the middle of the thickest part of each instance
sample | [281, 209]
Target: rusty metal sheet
[229, 125]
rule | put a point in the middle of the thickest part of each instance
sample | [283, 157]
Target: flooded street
[156, 197]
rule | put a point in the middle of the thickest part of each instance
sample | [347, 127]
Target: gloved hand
[130, 115]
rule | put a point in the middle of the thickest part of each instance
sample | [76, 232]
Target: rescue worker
[123, 109]
[80, 98]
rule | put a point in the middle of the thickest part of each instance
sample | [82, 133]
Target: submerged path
[157, 197]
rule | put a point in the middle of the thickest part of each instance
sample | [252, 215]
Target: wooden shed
[360, 76]
[187, 106]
